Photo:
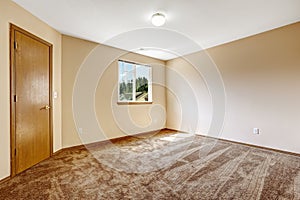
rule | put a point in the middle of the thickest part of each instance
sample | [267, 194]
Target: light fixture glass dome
[158, 19]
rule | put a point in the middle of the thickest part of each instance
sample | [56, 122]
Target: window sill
[133, 103]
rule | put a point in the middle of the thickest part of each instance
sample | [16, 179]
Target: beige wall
[74, 51]
[76, 54]
[261, 76]
[11, 13]
[189, 102]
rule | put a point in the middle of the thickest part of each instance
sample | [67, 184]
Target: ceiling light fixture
[158, 19]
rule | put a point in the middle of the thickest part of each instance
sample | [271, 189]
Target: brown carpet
[165, 166]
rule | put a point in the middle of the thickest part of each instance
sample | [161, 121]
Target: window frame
[150, 88]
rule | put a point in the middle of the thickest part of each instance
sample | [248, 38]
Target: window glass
[134, 82]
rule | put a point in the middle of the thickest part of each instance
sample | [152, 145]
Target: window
[135, 83]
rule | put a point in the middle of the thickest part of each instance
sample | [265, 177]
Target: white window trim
[134, 85]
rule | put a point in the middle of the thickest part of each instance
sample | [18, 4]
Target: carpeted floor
[167, 165]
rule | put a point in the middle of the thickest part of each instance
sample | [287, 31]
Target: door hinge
[15, 98]
[16, 45]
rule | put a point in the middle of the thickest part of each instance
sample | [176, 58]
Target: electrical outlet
[256, 131]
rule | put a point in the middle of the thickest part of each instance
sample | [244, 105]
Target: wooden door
[30, 100]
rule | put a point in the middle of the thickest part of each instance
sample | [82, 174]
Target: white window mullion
[150, 85]
[134, 84]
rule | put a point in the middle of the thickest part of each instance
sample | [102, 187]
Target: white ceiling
[191, 24]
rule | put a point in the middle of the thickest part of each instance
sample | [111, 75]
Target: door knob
[46, 107]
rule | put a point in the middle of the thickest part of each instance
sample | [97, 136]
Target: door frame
[14, 28]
